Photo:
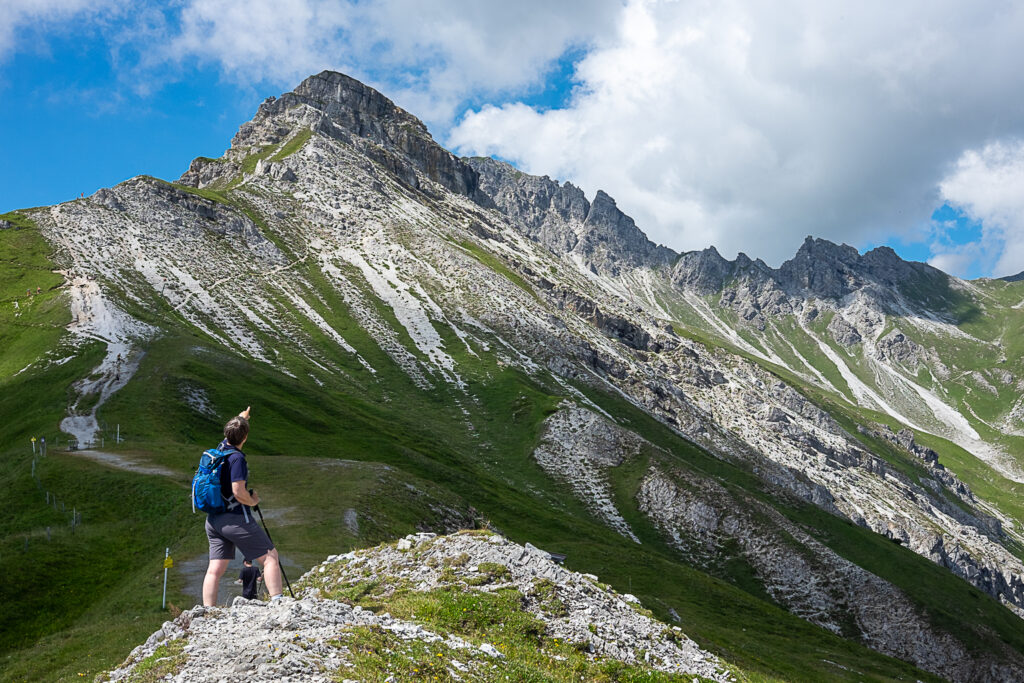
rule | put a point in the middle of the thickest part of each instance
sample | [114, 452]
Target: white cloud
[744, 125]
[987, 184]
[429, 57]
[751, 125]
[18, 15]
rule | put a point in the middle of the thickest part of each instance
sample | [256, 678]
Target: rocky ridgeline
[325, 635]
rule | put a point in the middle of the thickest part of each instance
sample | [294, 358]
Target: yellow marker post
[168, 563]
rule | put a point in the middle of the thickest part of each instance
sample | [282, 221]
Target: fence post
[167, 554]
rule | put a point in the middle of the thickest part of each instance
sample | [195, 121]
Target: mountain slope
[515, 353]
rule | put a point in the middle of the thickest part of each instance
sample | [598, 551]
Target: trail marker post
[168, 563]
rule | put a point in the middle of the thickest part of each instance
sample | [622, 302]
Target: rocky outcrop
[578, 447]
[897, 348]
[548, 212]
[611, 325]
[843, 332]
[705, 272]
[318, 636]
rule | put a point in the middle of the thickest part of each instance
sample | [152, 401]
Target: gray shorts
[229, 530]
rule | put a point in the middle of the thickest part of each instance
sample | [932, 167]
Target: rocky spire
[560, 217]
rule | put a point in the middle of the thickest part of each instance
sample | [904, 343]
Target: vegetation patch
[166, 660]
[497, 265]
[546, 595]
[293, 145]
[498, 620]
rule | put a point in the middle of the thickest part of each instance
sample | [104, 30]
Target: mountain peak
[337, 106]
[355, 105]
[816, 247]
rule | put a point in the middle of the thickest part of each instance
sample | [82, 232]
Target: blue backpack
[206, 493]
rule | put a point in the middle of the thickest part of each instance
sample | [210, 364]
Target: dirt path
[123, 462]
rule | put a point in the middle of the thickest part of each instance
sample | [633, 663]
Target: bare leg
[271, 572]
[212, 580]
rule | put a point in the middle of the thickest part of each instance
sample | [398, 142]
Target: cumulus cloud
[429, 57]
[751, 125]
[743, 125]
[987, 184]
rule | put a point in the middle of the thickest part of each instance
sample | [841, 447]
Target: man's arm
[242, 494]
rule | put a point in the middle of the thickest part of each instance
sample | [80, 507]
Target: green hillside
[402, 457]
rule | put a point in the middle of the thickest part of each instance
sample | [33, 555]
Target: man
[250, 579]
[236, 527]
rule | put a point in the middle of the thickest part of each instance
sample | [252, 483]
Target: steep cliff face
[595, 234]
[740, 419]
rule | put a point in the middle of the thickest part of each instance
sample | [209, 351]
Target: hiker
[250, 579]
[42, 445]
[236, 526]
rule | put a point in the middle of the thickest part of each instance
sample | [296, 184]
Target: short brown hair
[236, 430]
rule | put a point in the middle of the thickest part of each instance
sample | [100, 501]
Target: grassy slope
[384, 419]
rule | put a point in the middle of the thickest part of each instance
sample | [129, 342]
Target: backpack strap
[230, 502]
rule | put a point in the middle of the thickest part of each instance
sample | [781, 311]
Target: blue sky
[734, 125]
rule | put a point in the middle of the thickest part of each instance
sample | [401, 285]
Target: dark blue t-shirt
[235, 469]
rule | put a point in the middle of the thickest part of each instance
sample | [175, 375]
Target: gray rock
[561, 218]
[843, 332]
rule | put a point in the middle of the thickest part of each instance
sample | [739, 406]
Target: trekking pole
[281, 566]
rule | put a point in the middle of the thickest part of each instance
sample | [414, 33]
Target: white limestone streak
[408, 309]
[862, 393]
[701, 308]
[93, 317]
[318, 320]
